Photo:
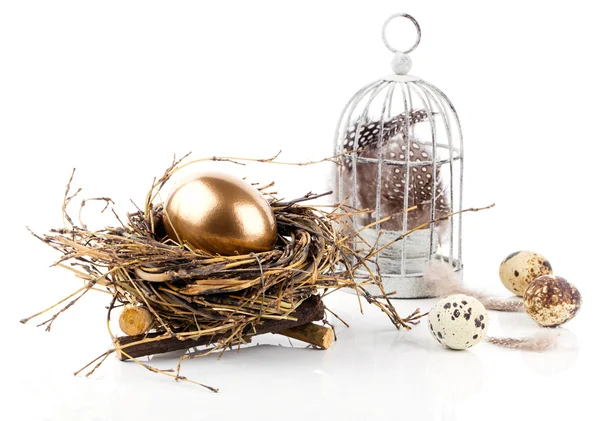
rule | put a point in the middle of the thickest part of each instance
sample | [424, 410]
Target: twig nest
[522, 267]
[551, 300]
[458, 321]
[220, 214]
[135, 320]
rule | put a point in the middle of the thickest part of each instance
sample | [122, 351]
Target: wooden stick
[311, 333]
[311, 310]
[135, 320]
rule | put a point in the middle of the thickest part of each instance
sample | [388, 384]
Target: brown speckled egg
[522, 267]
[458, 321]
[551, 300]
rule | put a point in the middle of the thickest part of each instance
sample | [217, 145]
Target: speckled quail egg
[458, 321]
[551, 300]
[522, 267]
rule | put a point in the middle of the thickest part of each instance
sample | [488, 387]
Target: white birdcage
[401, 149]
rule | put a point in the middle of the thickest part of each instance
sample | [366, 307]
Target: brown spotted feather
[395, 146]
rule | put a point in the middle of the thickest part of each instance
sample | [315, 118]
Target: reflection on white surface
[371, 372]
[559, 360]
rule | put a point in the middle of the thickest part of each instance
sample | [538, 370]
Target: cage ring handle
[384, 36]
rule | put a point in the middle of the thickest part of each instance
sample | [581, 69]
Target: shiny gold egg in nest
[220, 214]
[210, 289]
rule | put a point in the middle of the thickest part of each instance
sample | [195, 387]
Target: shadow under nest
[196, 298]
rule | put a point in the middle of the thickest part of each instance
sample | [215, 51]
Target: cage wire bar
[441, 134]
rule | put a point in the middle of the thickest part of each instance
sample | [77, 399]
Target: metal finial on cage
[401, 63]
[402, 157]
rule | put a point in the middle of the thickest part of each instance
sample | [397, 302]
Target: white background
[115, 89]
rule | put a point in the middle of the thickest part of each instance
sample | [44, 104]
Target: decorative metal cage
[401, 148]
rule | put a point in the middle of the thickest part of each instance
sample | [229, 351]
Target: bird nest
[191, 298]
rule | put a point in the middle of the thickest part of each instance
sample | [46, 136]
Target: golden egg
[220, 214]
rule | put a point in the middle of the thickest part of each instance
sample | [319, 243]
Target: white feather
[441, 280]
[542, 341]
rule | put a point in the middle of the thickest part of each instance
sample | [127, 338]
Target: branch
[311, 310]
